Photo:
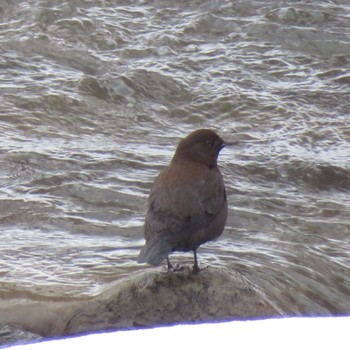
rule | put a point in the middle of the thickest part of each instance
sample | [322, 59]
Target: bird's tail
[155, 251]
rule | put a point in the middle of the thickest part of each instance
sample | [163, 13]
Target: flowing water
[95, 96]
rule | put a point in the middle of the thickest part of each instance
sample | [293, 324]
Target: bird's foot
[175, 268]
[196, 268]
[171, 267]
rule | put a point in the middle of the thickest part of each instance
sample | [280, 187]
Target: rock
[146, 300]
[12, 335]
[159, 298]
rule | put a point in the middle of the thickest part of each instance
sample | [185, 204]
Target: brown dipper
[187, 205]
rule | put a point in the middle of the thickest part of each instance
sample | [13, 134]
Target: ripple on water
[95, 96]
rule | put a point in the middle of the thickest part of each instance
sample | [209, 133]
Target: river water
[95, 96]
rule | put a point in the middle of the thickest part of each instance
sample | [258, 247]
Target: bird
[187, 204]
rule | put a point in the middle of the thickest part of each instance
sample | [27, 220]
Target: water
[96, 94]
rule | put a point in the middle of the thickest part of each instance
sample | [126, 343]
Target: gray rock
[160, 298]
[148, 299]
[13, 335]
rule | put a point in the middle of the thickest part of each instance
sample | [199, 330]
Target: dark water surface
[94, 97]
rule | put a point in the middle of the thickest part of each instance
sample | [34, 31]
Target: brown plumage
[187, 205]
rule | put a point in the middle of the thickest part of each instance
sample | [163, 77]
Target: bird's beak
[227, 144]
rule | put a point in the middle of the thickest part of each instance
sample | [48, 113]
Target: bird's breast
[185, 191]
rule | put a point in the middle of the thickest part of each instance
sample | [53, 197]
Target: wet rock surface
[13, 335]
[177, 297]
[151, 299]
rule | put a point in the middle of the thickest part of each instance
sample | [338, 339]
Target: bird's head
[201, 146]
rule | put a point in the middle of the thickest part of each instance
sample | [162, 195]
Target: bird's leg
[195, 266]
[170, 266]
